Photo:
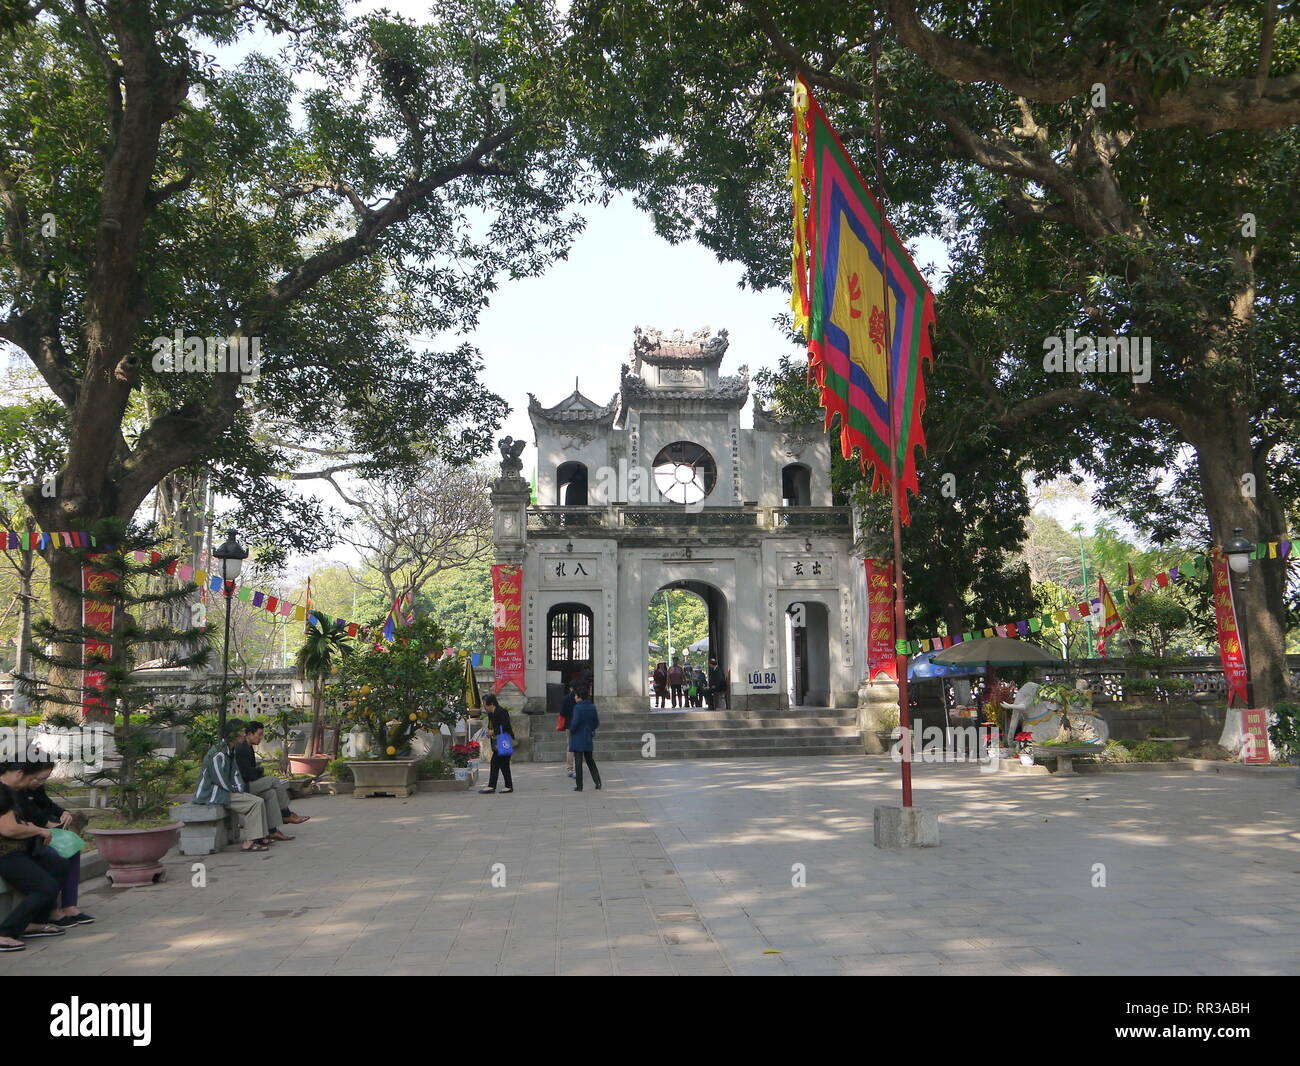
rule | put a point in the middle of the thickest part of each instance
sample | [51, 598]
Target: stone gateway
[662, 487]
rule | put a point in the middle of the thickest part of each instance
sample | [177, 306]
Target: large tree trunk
[1224, 455]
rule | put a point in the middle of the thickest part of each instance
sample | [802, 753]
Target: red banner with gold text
[1225, 612]
[507, 624]
[881, 656]
[99, 617]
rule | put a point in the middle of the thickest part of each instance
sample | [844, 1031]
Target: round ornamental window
[685, 472]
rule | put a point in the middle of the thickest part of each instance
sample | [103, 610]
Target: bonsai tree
[279, 727]
[394, 690]
[108, 692]
[1073, 710]
[325, 647]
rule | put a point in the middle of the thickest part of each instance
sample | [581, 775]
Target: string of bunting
[1197, 568]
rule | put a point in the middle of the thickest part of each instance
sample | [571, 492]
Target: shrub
[1210, 750]
[1153, 751]
[340, 770]
[1285, 732]
[1115, 751]
[433, 770]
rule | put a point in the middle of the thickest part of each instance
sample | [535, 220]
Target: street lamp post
[232, 555]
[1240, 551]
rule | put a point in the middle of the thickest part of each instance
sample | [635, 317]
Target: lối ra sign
[761, 680]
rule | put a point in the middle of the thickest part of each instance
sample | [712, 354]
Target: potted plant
[324, 648]
[1075, 734]
[888, 731]
[393, 691]
[110, 695]
[1023, 741]
[460, 755]
[1284, 732]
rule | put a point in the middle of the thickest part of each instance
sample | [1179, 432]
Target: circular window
[685, 472]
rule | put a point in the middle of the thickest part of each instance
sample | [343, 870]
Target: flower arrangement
[1024, 739]
[462, 753]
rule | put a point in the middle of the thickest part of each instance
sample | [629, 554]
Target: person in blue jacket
[582, 728]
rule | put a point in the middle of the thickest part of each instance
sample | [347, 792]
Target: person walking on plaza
[221, 783]
[582, 736]
[675, 679]
[661, 684]
[498, 730]
[562, 724]
[273, 791]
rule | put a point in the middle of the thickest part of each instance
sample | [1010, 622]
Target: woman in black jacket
[498, 722]
[39, 809]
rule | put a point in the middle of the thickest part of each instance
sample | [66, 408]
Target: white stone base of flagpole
[906, 827]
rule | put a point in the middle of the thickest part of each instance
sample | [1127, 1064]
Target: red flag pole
[900, 608]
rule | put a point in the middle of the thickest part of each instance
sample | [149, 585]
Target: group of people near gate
[47, 882]
[687, 686]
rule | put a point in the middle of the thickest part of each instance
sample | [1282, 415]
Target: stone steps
[707, 734]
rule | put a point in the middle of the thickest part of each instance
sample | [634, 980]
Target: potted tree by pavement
[1075, 734]
[121, 616]
[326, 646]
[392, 691]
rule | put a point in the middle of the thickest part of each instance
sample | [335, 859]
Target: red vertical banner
[882, 658]
[99, 617]
[1225, 612]
[1254, 735]
[507, 624]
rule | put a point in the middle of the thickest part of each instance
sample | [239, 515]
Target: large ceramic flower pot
[311, 765]
[133, 854]
[384, 777]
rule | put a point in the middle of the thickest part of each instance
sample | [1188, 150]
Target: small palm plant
[325, 647]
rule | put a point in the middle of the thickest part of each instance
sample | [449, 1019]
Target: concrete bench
[205, 827]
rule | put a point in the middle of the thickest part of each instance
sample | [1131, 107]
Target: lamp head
[232, 555]
[1239, 552]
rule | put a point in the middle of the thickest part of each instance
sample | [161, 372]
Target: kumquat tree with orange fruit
[394, 690]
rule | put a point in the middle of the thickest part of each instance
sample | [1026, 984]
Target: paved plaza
[687, 867]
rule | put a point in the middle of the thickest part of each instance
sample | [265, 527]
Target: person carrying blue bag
[502, 736]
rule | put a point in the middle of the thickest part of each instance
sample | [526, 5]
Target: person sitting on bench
[35, 871]
[38, 809]
[273, 790]
[221, 784]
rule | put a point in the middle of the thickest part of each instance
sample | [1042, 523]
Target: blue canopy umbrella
[922, 668]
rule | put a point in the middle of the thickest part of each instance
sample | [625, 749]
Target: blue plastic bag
[66, 843]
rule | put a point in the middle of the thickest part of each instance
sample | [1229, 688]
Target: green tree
[146, 191]
[1156, 208]
[689, 623]
[324, 649]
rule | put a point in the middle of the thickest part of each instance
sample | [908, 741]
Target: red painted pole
[900, 609]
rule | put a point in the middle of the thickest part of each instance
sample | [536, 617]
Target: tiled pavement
[688, 868]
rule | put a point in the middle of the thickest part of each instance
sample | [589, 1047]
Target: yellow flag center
[858, 308]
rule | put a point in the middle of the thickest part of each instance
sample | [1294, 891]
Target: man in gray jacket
[221, 783]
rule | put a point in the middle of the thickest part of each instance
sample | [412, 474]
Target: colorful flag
[1132, 583]
[1230, 651]
[1110, 621]
[401, 613]
[472, 699]
[852, 251]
